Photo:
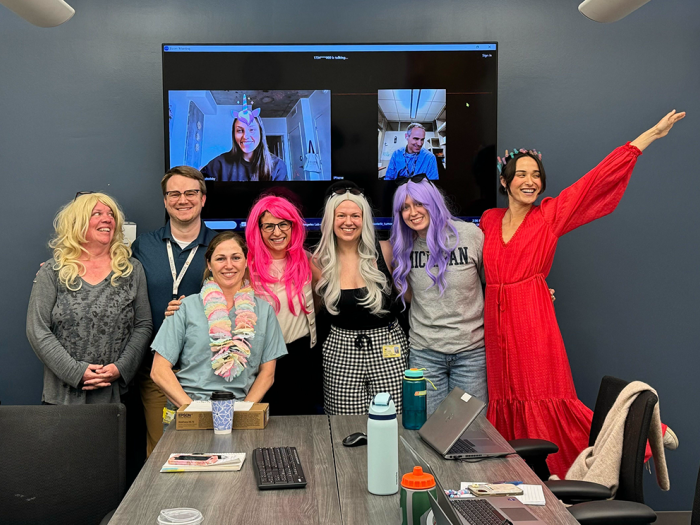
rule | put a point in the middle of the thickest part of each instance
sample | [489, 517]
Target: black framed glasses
[415, 179]
[269, 227]
[82, 193]
[175, 195]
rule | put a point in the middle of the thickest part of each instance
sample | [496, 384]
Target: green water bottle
[415, 503]
[415, 405]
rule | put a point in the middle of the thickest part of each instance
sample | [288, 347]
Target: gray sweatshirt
[98, 324]
[453, 322]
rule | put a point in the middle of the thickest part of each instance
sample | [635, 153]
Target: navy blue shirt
[150, 250]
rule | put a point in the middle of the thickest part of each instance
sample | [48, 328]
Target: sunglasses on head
[343, 191]
[83, 193]
[415, 179]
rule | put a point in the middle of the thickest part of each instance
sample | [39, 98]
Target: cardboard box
[254, 419]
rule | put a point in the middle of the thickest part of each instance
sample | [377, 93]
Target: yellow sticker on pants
[391, 351]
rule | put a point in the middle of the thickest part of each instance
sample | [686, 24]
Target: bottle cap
[220, 395]
[418, 479]
[414, 373]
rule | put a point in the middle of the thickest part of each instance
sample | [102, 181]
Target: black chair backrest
[610, 388]
[695, 519]
[631, 487]
[61, 464]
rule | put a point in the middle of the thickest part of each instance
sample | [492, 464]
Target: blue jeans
[467, 370]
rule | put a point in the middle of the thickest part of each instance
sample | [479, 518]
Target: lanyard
[410, 172]
[177, 279]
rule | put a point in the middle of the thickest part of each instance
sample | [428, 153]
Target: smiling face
[101, 226]
[247, 137]
[347, 224]
[227, 265]
[415, 140]
[183, 209]
[416, 216]
[526, 184]
[276, 239]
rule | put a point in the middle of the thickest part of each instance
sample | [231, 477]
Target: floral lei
[231, 348]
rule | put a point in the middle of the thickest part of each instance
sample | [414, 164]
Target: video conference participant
[281, 274]
[437, 266]
[366, 351]
[532, 393]
[89, 320]
[173, 259]
[224, 338]
[413, 159]
[249, 158]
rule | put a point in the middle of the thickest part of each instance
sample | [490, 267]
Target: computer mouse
[355, 440]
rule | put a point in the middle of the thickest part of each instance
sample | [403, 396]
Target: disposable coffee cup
[222, 411]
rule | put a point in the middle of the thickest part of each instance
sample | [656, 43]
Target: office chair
[61, 464]
[695, 517]
[587, 497]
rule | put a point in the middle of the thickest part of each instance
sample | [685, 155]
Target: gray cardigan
[97, 324]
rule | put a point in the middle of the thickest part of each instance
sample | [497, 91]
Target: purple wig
[439, 230]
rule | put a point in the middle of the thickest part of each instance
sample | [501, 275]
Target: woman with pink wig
[280, 274]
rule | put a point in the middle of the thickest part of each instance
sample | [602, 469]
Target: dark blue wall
[81, 109]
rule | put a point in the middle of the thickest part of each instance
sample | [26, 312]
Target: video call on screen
[330, 113]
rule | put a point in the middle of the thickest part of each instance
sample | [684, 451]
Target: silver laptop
[446, 430]
[481, 511]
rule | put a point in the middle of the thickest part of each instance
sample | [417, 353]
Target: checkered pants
[355, 369]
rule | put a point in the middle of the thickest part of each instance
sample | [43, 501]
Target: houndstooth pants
[355, 369]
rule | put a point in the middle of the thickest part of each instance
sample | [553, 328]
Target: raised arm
[658, 131]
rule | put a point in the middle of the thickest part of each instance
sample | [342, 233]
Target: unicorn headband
[503, 161]
[247, 114]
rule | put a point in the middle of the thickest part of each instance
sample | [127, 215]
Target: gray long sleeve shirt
[97, 324]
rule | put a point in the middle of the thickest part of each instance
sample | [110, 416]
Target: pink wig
[297, 273]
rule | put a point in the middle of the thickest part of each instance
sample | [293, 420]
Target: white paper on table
[532, 495]
[205, 406]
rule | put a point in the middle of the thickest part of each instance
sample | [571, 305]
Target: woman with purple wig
[437, 267]
[281, 274]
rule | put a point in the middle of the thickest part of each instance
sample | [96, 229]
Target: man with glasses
[173, 259]
[414, 158]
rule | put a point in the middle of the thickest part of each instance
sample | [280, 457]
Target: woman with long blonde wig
[89, 320]
[366, 351]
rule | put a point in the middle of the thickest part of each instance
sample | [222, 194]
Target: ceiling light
[607, 11]
[42, 13]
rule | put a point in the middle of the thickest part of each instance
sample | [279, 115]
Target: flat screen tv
[299, 117]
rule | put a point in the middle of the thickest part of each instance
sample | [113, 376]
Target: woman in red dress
[531, 391]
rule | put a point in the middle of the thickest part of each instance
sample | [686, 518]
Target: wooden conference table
[336, 492]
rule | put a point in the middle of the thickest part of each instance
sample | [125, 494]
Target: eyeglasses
[343, 191]
[82, 193]
[415, 179]
[175, 195]
[269, 227]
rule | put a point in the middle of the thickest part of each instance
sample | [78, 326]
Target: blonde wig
[71, 225]
[326, 258]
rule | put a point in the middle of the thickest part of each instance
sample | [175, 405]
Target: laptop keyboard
[278, 468]
[479, 512]
[462, 446]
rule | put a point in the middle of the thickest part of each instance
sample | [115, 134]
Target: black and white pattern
[355, 369]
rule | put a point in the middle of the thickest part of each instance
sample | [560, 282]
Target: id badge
[390, 351]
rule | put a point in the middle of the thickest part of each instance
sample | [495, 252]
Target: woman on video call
[249, 158]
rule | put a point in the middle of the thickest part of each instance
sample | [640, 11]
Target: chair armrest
[578, 491]
[613, 512]
[533, 447]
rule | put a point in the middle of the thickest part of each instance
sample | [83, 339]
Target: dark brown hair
[508, 173]
[223, 237]
[184, 171]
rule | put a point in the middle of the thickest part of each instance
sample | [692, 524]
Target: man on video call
[414, 159]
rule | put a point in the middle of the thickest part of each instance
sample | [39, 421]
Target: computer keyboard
[278, 468]
[462, 446]
[479, 512]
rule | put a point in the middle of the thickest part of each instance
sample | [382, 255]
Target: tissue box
[254, 419]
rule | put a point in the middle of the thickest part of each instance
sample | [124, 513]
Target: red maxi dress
[531, 391]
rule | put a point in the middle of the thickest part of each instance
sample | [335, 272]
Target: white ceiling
[395, 104]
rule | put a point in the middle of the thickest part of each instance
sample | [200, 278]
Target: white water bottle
[382, 446]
